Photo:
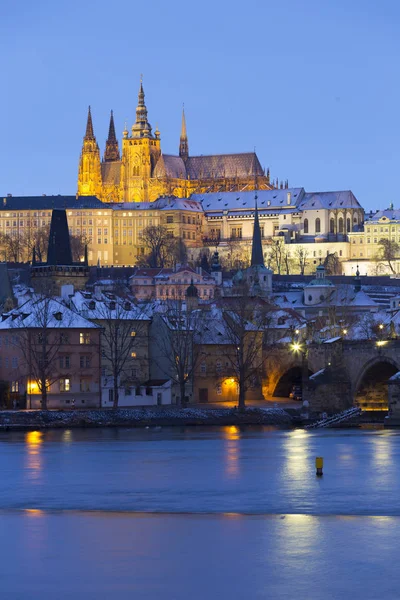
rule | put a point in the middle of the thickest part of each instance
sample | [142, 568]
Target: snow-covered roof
[49, 313]
[329, 200]
[99, 307]
[266, 200]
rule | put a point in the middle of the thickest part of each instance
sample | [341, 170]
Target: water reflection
[298, 462]
[34, 459]
[232, 437]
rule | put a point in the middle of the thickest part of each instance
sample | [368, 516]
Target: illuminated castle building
[143, 173]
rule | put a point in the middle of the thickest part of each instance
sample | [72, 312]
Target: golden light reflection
[67, 436]
[34, 512]
[34, 440]
[232, 437]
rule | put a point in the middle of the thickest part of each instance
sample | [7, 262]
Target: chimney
[9, 195]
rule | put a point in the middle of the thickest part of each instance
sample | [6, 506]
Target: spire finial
[257, 258]
[89, 135]
[142, 127]
[112, 151]
[183, 140]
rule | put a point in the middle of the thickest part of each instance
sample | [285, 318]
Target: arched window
[332, 226]
[348, 225]
[305, 225]
[317, 225]
[341, 224]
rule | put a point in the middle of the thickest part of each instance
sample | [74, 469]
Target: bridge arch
[371, 387]
[293, 376]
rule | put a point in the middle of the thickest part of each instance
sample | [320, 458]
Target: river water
[195, 513]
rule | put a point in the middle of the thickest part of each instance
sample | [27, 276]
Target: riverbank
[145, 417]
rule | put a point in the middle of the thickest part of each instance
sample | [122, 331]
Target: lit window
[84, 338]
[14, 386]
[133, 354]
[65, 385]
[133, 333]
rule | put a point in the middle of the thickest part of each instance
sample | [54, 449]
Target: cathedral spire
[142, 127]
[183, 141]
[112, 150]
[257, 258]
[89, 135]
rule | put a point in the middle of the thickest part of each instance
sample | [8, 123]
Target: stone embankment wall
[142, 417]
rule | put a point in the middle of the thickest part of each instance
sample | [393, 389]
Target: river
[199, 513]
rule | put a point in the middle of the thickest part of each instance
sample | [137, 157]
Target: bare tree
[39, 332]
[301, 255]
[389, 251]
[275, 256]
[245, 322]
[332, 264]
[123, 331]
[159, 242]
[12, 247]
[175, 353]
[78, 244]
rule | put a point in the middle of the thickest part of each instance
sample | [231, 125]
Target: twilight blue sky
[313, 85]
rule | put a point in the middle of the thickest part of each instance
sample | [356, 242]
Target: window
[64, 362]
[203, 368]
[341, 225]
[84, 362]
[348, 225]
[170, 219]
[317, 225]
[219, 389]
[65, 385]
[218, 366]
[14, 386]
[305, 225]
[111, 396]
[64, 338]
[84, 385]
[84, 338]
[133, 354]
[14, 362]
[133, 333]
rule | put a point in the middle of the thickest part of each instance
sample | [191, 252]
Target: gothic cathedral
[143, 173]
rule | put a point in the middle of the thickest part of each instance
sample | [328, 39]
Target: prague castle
[142, 173]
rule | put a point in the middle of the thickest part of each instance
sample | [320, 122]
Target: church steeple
[183, 141]
[89, 176]
[142, 127]
[89, 135]
[112, 151]
[257, 258]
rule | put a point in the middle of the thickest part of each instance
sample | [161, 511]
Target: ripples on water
[256, 521]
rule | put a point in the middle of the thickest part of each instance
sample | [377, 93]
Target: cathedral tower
[183, 141]
[89, 177]
[112, 151]
[140, 153]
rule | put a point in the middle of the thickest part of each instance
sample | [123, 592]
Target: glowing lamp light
[32, 387]
[296, 347]
[297, 332]
[381, 342]
[381, 326]
[345, 331]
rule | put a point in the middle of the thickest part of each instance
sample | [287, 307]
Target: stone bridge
[336, 374]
